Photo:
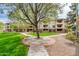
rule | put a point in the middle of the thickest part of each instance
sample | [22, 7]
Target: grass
[44, 33]
[11, 45]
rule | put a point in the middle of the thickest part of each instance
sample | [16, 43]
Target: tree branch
[43, 16]
[31, 8]
[40, 7]
[24, 12]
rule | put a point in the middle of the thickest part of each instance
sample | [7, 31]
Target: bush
[71, 36]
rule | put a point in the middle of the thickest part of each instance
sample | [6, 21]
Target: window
[28, 30]
[59, 29]
[53, 26]
[59, 25]
[45, 25]
[30, 26]
[45, 29]
[59, 21]
[7, 23]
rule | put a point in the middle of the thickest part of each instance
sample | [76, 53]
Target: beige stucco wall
[51, 24]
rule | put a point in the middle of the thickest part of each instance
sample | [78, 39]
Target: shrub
[71, 36]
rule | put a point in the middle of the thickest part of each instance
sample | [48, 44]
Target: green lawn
[44, 33]
[11, 44]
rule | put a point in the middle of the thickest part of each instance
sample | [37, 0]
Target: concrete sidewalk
[63, 34]
[37, 51]
[62, 47]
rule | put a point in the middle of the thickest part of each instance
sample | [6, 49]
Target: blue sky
[65, 9]
[4, 17]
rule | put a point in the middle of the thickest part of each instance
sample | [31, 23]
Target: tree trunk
[37, 32]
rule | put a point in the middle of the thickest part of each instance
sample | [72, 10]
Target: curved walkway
[62, 47]
[37, 51]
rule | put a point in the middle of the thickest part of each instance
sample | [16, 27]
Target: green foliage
[72, 13]
[27, 12]
[69, 27]
[13, 26]
[72, 16]
[19, 25]
[11, 45]
[71, 36]
[46, 20]
[1, 25]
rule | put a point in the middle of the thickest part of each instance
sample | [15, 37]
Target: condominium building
[55, 25]
[58, 25]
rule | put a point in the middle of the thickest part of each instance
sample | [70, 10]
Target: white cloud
[65, 9]
[4, 20]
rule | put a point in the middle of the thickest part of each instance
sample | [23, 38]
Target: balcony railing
[59, 21]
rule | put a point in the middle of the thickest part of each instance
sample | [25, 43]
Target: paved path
[37, 51]
[62, 47]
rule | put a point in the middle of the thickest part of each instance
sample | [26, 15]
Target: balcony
[59, 26]
[45, 26]
[59, 30]
[59, 21]
[30, 27]
[53, 26]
